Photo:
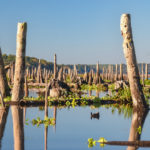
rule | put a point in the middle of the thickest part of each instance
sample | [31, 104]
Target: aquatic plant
[47, 121]
[7, 99]
[92, 142]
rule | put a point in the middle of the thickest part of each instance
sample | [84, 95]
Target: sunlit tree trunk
[55, 67]
[132, 68]
[18, 88]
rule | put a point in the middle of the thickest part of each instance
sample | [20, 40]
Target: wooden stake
[18, 88]
[132, 68]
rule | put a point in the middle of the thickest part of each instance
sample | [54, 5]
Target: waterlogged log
[4, 88]
[18, 88]
[132, 68]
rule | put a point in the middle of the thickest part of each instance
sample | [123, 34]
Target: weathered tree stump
[4, 88]
[132, 68]
[18, 88]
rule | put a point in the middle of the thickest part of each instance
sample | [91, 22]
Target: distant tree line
[33, 62]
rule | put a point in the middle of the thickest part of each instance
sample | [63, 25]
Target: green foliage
[92, 142]
[7, 99]
[139, 129]
[147, 82]
[47, 121]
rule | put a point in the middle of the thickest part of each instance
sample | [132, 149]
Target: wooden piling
[121, 72]
[55, 67]
[116, 77]
[18, 88]
[4, 88]
[146, 71]
[132, 68]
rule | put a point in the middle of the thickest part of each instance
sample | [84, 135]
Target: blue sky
[78, 31]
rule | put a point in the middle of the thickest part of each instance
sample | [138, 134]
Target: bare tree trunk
[146, 71]
[116, 78]
[121, 72]
[26, 87]
[142, 74]
[4, 88]
[132, 68]
[55, 67]
[18, 88]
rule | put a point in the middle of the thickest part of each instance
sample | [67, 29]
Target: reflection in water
[18, 128]
[90, 92]
[46, 128]
[138, 120]
[95, 115]
[3, 119]
[55, 115]
[24, 115]
[97, 93]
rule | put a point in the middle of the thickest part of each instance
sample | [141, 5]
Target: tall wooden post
[132, 68]
[121, 72]
[142, 74]
[26, 87]
[55, 67]
[18, 88]
[146, 71]
[116, 77]
[4, 88]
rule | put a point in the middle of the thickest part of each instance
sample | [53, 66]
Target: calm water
[73, 128]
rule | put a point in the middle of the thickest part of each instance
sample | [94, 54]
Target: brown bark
[3, 120]
[55, 67]
[4, 88]
[18, 88]
[146, 71]
[121, 72]
[116, 78]
[132, 68]
[26, 87]
[18, 128]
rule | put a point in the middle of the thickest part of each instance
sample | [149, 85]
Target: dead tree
[121, 72]
[132, 68]
[18, 88]
[55, 67]
[4, 88]
[146, 71]
[39, 74]
[116, 77]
